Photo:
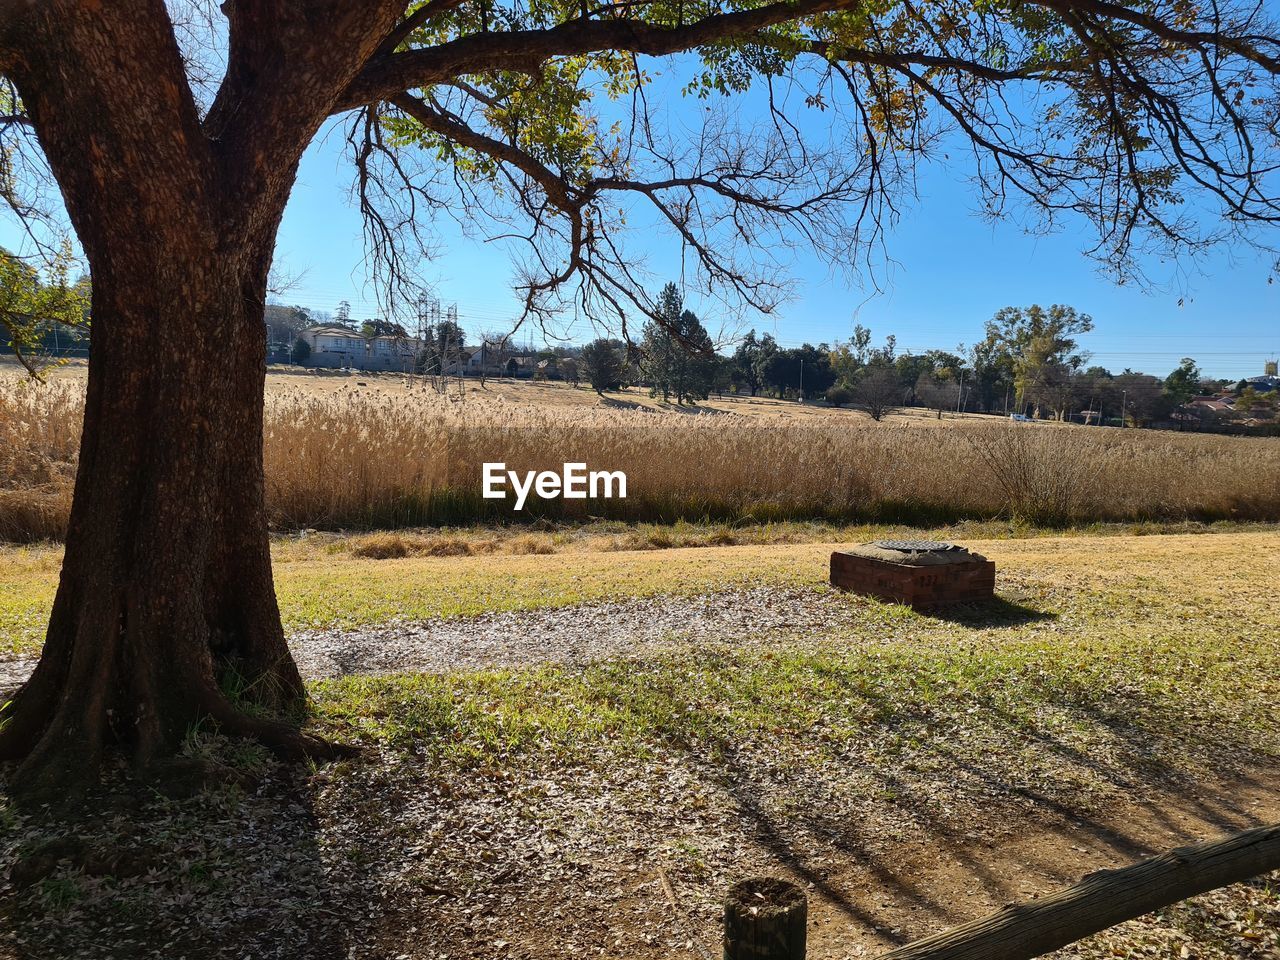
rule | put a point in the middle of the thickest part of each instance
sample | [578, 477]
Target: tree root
[56, 766]
[283, 739]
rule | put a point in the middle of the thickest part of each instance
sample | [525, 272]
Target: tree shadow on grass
[946, 872]
[226, 871]
[693, 409]
[617, 404]
[913, 821]
[982, 832]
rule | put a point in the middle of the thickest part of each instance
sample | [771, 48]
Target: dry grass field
[334, 383]
[381, 453]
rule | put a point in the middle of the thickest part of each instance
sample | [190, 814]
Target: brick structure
[922, 574]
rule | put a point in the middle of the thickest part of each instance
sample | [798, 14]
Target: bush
[1040, 484]
[879, 390]
[839, 395]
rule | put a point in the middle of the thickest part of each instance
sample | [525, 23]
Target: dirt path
[927, 883]
[570, 635]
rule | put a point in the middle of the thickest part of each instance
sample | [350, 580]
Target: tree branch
[525, 50]
[418, 18]
[433, 118]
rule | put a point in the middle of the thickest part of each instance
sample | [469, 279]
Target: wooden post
[765, 919]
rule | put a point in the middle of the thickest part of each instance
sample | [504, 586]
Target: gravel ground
[570, 635]
[13, 671]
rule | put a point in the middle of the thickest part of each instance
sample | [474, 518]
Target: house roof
[1264, 384]
[333, 330]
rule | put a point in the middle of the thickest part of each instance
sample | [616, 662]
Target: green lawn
[1101, 641]
[321, 583]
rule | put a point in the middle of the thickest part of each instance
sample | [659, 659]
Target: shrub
[381, 546]
[839, 395]
[529, 544]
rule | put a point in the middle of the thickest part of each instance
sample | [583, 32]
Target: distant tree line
[1028, 362]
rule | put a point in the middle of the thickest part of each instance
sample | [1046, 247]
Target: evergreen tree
[678, 357]
[658, 346]
[602, 365]
[1183, 383]
[694, 365]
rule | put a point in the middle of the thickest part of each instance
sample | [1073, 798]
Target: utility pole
[802, 379]
[420, 357]
[960, 395]
[1124, 406]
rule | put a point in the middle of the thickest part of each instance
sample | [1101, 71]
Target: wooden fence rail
[1027, 930]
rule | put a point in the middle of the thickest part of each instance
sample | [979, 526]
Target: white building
[337, 346]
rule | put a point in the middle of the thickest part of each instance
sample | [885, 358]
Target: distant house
[487, 359]
[521, 365]
[334, 346]
[1265, 383]
[1202, 411]
[1211, 404]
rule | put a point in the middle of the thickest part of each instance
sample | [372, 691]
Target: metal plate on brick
[916, 546]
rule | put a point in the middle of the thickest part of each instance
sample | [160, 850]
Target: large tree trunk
[166, 599]
[166, 604]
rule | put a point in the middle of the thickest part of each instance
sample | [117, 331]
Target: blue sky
[951, 272]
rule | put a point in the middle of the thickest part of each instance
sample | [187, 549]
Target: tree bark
[166, 602]
[165, 617]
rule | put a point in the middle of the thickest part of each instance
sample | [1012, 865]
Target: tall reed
[376, 460]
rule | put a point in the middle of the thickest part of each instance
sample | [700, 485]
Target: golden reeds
[373, 460]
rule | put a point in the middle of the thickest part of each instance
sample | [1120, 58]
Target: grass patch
[1084, 701]
[1104, 670]
[1117, 571]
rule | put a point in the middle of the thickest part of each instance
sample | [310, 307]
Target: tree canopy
[32, 305]
[602, 365]
[1153, 121]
